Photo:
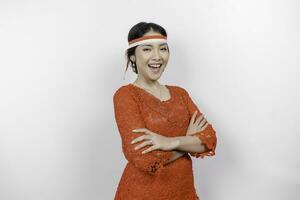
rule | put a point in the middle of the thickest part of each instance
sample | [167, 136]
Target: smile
[155, 68]
[154, 65]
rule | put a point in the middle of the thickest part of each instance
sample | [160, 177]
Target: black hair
[137, 31]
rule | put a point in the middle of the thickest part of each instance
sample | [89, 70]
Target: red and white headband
[147, 39]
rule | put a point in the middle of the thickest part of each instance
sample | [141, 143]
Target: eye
[164, 48]
[146, 49]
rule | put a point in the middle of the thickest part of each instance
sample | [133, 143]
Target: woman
[160, 126]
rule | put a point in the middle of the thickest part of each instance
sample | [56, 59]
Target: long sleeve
[208, 135]
[128, 117]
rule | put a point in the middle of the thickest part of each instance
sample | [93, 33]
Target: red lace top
[145, 177]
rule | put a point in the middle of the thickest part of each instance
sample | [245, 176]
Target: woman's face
[151, 58]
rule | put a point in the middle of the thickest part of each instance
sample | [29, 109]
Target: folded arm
[202, 143]
[128, 117]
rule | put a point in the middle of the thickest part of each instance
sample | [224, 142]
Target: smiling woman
[160, 126]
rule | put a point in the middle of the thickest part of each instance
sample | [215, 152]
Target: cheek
[143, 58]
[166, 54]
[166, 57]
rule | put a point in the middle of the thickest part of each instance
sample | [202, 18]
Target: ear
[132, 58]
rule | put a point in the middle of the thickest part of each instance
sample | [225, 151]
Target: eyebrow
[151, 45]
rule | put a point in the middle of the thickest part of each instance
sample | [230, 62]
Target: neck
[147, 83]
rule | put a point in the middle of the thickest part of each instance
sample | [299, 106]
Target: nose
[156, 54]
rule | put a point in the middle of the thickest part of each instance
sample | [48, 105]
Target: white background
[61, 62]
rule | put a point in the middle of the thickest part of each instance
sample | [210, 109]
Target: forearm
[189, 144]
[176, 154]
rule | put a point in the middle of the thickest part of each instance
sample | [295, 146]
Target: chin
[155, 77]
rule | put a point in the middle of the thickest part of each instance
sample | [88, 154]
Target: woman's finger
[201, 125]
[148, 142]
[145, 130]
[139, 130]
[202, 122]
[149, 149]
[143, 137]
[193, 117]
[204, 127]
[199, 119]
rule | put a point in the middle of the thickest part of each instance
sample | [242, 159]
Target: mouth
[155, 68]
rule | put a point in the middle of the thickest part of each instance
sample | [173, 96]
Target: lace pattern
[146, 175]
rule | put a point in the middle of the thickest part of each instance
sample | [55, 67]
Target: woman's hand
[157, 141]
[198, 125]
[176, 154]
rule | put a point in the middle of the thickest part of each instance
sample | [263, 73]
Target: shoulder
[121, 92]
[180, 89]
[125, 94]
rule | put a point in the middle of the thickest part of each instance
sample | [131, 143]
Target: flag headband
[147, 39]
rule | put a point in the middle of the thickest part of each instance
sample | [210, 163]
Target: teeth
[155, 66]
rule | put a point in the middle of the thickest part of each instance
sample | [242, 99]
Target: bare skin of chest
[162, 95]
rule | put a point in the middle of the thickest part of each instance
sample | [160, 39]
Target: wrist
[175, 142]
